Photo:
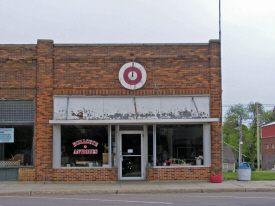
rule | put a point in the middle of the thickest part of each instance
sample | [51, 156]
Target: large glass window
[179, 145]
[19, 150]
[84, 146]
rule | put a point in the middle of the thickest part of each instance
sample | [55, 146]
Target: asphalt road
[193, 199]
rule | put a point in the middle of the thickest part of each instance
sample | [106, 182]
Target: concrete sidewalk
[119, 187]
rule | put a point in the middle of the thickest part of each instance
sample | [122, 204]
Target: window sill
[17, 167]
[85, 168]
[176, 166]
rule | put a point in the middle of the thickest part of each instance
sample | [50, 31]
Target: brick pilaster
[44, 110]
[215, 92]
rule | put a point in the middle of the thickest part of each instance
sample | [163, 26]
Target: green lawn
[262, 175]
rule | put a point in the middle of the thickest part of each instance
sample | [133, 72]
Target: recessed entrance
[131, 158]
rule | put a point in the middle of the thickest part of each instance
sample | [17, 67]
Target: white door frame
[120, 155]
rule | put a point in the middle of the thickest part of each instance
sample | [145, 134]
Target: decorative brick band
[106, 92]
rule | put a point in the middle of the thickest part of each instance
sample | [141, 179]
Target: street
[194, 199]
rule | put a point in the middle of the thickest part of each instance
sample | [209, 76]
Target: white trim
[145, 149]
[141, 121]
[154, 145]
[207, 145]
[109, 146]
[56, 146]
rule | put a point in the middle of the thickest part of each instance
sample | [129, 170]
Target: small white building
[228, 160]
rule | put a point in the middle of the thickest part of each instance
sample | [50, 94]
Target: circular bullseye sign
[132, 75]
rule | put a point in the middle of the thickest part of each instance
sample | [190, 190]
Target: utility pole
[240, 143]
[258, 141]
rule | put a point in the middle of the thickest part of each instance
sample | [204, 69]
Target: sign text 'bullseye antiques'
[108, 112]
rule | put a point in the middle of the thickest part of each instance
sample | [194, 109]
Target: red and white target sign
[132, 75]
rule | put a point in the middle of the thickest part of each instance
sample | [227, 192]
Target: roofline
[268, 124]
[140, 44]
[119, 44]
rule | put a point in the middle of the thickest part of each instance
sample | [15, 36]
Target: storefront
[111, 112]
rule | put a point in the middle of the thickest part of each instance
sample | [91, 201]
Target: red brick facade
[268, 153]
[46, 69]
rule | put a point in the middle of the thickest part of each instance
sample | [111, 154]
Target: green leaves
[234, 118]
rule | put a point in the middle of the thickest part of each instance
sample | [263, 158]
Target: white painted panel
[60, 107]
[119, 108]
[131, 108]
[203, 105]
[85, 108]
[148, 108]
[177, 107]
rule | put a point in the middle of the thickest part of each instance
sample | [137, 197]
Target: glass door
[131, 156]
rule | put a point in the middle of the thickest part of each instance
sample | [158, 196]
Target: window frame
[57, 148]
[17, 118]
[206, 147]
[225, 165]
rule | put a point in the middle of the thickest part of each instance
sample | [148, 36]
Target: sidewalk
[119, 187]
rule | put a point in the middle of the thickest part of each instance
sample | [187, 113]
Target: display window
[16, 145]
[84, 146]
[179, 145]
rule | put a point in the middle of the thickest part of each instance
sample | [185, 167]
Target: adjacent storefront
[110, 112]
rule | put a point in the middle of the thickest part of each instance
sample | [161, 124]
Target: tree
[268, 116]
[233, 126]
[252, 141]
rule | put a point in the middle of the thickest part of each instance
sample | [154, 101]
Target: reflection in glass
[179, 145]
[84, 146]
[20, 152]
[131, 153]
[131, 166]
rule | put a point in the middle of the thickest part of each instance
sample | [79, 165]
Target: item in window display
[198, 162]
[199, 159]
[165, 155]
[168, 162]
[17, 157]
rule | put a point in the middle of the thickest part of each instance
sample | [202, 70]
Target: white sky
[247, 30]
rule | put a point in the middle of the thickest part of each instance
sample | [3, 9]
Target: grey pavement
[123, 187]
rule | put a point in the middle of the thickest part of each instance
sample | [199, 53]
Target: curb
[131, 191]
[15, 193]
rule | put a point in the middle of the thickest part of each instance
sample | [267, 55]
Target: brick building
[102, 112]
[268, 149]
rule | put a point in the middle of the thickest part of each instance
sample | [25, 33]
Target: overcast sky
[247, 32]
